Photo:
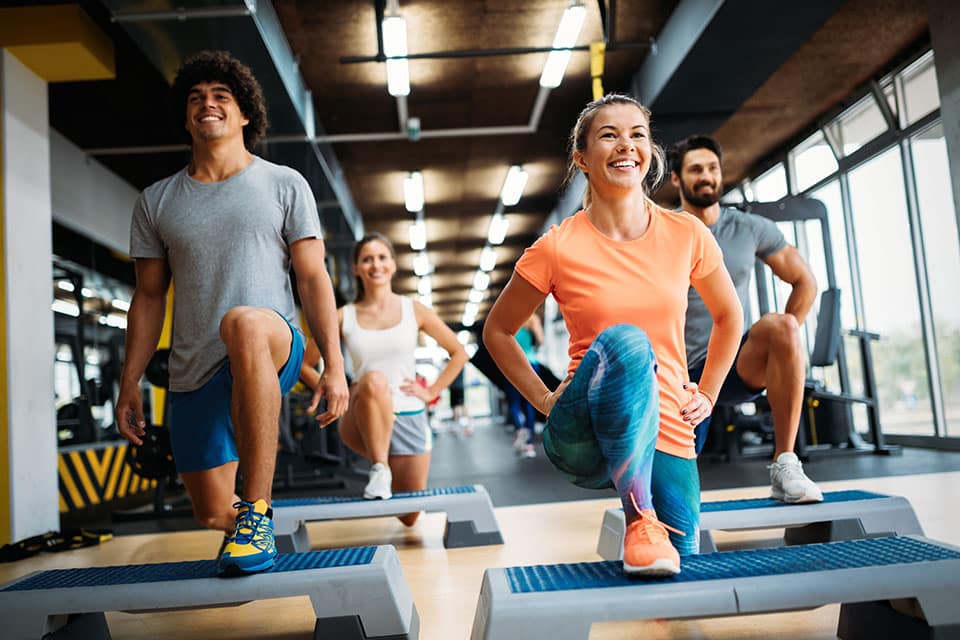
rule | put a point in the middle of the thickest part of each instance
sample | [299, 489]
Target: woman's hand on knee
[551, 397]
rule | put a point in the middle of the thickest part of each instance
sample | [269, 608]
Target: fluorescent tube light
[413, 192]
[421, 264]
[395, 44]
[513, 186]
[418, 236]
[481, 281]
[498, 229]
[488, 258]
[424, 287]
[566, 37]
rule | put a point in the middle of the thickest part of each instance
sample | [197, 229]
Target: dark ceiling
[748, 82]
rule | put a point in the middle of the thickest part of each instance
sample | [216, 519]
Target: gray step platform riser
[568, 615]
[376, 592]
[458, 508]
[876, 516]
[470, 517]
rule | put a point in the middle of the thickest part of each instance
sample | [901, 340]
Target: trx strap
[54, 541]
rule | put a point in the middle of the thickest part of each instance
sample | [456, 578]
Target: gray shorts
[411, 434]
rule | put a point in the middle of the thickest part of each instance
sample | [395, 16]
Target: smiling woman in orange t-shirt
[620, 270]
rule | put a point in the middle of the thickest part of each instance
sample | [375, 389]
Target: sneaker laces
[650, 523]
[248, 526]
[788, 470]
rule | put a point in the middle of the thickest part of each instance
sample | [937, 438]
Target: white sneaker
[378, 488]
[521, 439]
[529, 451]
[789, 483]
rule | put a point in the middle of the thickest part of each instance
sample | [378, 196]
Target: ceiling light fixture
[513, 186]
[421, 264]
[424, 287]
[481, 281]
[566, 37]
[488, 258]
[418, 235]
[413, 192]
[498, 229]
[395, 44]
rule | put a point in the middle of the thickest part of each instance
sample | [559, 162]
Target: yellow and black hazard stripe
[89, 477]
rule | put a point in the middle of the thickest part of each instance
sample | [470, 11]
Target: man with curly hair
[226, 229]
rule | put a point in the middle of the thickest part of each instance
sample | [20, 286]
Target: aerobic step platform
[560, 602]
[843, 515]
[357, 594]
[470, 518]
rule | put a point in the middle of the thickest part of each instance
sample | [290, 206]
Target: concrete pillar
[37, 45]
[30, 466]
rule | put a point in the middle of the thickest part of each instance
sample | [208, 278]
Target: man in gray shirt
[226, 230]
[771, 354]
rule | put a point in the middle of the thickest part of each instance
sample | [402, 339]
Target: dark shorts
[456, 396]
[201, 429]
[733, 391]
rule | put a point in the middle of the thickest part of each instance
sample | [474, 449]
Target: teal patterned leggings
[602, 432]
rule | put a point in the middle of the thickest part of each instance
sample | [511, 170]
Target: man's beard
[701, 202]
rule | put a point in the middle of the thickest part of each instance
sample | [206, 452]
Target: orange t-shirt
[599, 282]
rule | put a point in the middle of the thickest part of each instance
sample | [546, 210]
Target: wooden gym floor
[445, 583]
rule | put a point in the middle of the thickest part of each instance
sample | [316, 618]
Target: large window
[829, 195]
[896, 258]
[812, 161]
[918, 90]
[858, 125]
[771, 186]
[942, 248]
[891, 302]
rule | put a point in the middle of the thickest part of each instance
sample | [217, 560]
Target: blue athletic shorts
[201, 429]
[733, 391]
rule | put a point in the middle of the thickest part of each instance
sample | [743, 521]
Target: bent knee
[626, 344]
[784, 333]
[373, 383]
[241, 324]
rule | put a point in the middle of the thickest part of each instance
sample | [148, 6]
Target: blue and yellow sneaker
[250, 548]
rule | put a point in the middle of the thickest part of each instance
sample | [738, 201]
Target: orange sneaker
[646, 547]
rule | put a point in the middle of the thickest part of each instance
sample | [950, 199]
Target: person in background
[386, 421]
[771, 354]
[522, 413]
[461, 418]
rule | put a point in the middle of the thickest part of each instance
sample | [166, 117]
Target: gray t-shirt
[227, 244]
[742, 237]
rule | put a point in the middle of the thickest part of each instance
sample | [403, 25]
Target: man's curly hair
[221, 66]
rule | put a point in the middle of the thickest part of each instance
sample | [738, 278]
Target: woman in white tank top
[386, 420]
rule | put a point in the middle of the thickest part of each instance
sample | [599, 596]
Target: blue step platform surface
[470, 517]
[356, 593]
[560, 602]
[842, 515]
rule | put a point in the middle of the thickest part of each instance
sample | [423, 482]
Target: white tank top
[389, 351]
